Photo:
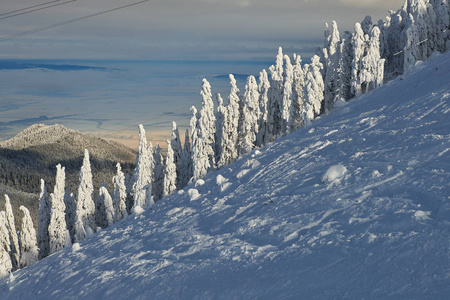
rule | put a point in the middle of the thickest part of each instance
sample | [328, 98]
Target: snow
[279, 232]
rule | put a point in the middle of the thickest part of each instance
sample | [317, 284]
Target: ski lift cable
[30, 7]
[13, 36]
[417, 44]
[34, 10]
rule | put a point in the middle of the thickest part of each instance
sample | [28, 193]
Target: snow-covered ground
[355, 206]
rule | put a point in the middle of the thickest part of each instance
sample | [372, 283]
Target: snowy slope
[355, 206]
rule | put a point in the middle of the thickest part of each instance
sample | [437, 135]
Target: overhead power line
[29, 7]
[13, 36]
[9, 15]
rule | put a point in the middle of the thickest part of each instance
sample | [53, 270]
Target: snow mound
[334, 173]
[194, 194]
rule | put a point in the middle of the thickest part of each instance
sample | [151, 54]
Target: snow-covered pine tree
[158, 174]
[372, 66]
[442, 11]
[230, 127]
[366, 25]
[143, 173]
[314, 89]
[412, 51]
[85, 211]
[119, 195]
[275, 98]
[263, 89]
[286, 102]
[170, 172]
[207, 124]
[71, 207]
[296, 120]
[332, 44]
[10, 225]
[5, 248]
[187, 159]
[345, 67]
[250, 114]
[27, 240]
[43, 222]
[57, 229]
[393, 45]
[221, 112]
[175, 143]
[199, 159]
[359, 51]
[104, 210]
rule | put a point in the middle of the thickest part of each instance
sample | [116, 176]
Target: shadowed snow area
[357, 205]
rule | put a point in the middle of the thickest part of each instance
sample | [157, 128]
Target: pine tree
[85, 211]
[142, 176]
[296, 119]
[175, 142]
[104, 212]
[371, 64]
[286, 103]
[229, 134]
[221, 113]
[359, 50]
[187, 159]
[28, 241]
[263, 89]
[207, 124]
[345, 67]
[275, 98]
[366, 25]
[158, 174]
[250, 115]
[43, 222]
[10, 225]
[5, 248]
[170, 172]
[412, 51]
[119, 194]
[314, 90]
[332, 44]
[57, 229]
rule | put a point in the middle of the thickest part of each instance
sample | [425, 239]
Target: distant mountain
[34, 153]
[43, 65]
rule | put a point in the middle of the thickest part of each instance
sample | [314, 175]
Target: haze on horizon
[181, 30]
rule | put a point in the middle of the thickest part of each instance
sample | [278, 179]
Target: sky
[179, 30]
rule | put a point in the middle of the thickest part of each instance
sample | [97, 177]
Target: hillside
[34, 153]
[355, 206]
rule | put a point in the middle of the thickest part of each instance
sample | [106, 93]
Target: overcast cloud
[185, 30]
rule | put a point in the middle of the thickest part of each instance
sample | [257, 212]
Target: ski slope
[355, 206]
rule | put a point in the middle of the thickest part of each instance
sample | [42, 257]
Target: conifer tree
[158, 174]
[371, 64]
[296, 120]
[345, 67]
[332, 44]
[275, 98]
[85, 211]
[175, 143]
[263, 89]
[119, 195]
[359, 50]
[187, 159]
[5, 248]
[170, 174]
[142, 175]
[221, 113]
[43, 222]
[28, 242]
[57, 229]
[286, 103]
[207, 124]
[314, 89]
[250, 113]
[10, 225]
[71, 207]
[104, 212]
[230, 127]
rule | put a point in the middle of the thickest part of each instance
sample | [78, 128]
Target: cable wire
[37, 9]
[13, 36]
[30, 7]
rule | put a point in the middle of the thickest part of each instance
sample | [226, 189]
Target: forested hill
[354, 206]
[34, 153]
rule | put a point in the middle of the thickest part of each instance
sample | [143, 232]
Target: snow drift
[273, 226]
